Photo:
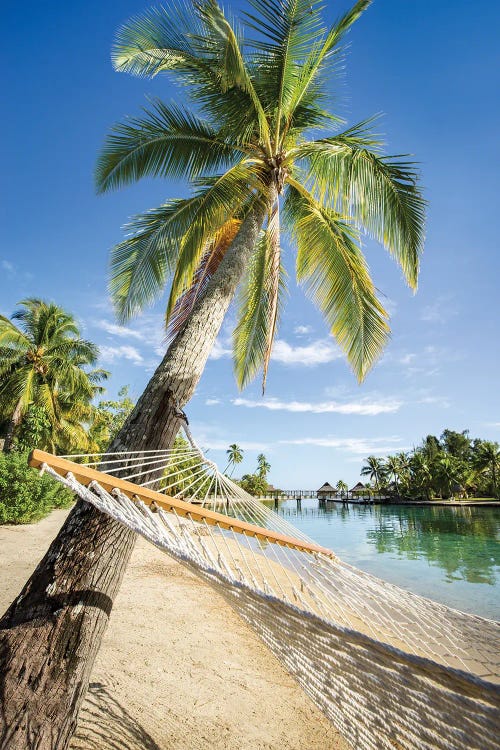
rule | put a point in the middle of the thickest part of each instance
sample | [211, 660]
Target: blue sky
[431, 68]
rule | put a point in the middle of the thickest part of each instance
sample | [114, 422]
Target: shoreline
[439, 503]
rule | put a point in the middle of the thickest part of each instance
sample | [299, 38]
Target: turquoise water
[451, 555]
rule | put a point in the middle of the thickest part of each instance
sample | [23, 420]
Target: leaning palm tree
[257, 145]
[44, 362]
[235, 457]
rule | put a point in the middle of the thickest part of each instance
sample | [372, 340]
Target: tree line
[440, 467]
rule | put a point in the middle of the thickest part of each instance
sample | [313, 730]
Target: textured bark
[51, 633]
[11, 428]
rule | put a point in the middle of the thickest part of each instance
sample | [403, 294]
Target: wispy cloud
[407, 359]
[116, 330]
[363, 407]
[302, 330]
[110, 354]
[440, 311]
[220, 349]
[149, 330]
[8, 266]
[316, 353]
[359, 446]
[212, 401]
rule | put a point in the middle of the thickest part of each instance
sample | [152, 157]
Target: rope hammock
[389, 668]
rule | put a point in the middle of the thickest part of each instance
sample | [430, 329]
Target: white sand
[177, 669]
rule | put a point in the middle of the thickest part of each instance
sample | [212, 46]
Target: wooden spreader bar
[85, 475]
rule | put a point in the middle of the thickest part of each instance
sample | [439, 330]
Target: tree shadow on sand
[104, 724]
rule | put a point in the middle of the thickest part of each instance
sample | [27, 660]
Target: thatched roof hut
[358, 489]
[326, 491]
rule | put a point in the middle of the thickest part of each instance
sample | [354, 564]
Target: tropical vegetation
[48, 378]
[256, 484]
[25, 497]
[258, 137]
[453, 464]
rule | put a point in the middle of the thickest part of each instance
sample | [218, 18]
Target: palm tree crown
[263, 466]
[234, 456]
[43, 363]
[259, 132]
[375, 469]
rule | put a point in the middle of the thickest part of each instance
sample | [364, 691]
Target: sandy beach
[177, 668]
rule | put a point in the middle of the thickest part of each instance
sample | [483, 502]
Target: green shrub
[25, 496]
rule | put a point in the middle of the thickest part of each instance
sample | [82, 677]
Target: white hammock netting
[389, 668]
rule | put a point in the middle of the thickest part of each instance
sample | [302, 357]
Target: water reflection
[462, 542]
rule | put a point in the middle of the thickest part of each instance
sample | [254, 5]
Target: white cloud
[212, 401]
[302, 330]
[7, 266]
[363, 407]
[360, 446]
[407, 359]
[317, 353]
[116, 330]
[110, 354]
[149, 329]
[438, 400]
[440, 311]
[219, 350]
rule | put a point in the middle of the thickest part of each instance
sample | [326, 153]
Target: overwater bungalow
[359, 493]
[327, 492]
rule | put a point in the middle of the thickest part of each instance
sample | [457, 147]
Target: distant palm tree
[263, 467]
[342, 488]
[393, 467]
[376, 470]
[487, 458]
[235, 456]
[44, 362]
[421, 474]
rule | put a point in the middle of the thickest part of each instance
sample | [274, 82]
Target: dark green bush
[25, 496]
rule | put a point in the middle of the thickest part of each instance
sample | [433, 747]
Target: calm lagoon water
[451, 555]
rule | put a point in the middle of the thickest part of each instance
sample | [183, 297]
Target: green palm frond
[166, 142]
[141, 264]
[334, 273]
[286, 30]
[11, 336]
[222, 198]
[252, 334]
[198, 42]
[320, 56]
[159, 39]
[227, 60]
[381, 193]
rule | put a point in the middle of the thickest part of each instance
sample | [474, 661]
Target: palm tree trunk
[51, 633]
[11, 428]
